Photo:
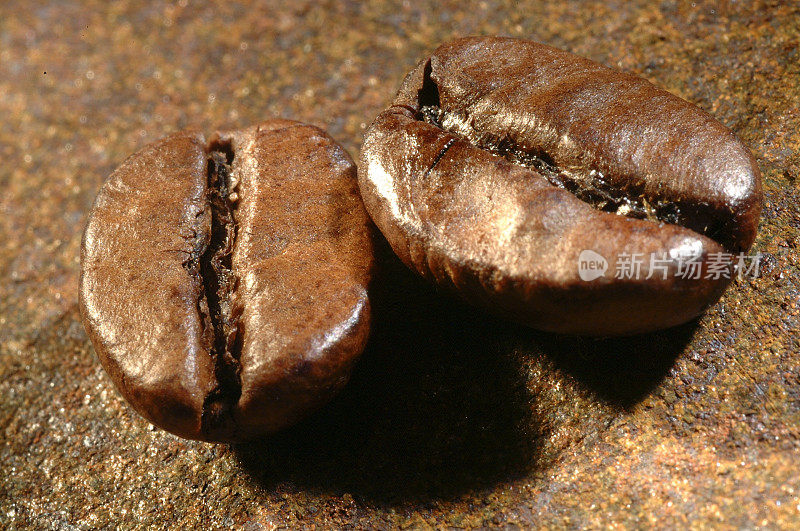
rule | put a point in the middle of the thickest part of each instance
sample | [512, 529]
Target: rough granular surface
[452, 418]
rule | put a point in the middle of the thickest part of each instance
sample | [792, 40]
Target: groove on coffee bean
[590, 186]
[219, 283]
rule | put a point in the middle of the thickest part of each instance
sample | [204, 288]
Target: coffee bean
[224, 281]
[501, 161]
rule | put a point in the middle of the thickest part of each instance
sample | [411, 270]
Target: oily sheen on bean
[224, 280]
[501, 160]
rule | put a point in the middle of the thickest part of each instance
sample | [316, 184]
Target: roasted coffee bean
[224, 281]
[502, 160]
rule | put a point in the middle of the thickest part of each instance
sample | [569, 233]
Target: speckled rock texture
[452, 418]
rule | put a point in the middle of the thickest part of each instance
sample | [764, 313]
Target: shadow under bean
[444, 400]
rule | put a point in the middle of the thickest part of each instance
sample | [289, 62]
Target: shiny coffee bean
[504, 166]
[224, 280]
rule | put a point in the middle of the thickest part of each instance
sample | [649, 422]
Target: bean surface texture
[224, 280]
[501, 162]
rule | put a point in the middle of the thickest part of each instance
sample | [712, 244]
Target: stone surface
[452, 418]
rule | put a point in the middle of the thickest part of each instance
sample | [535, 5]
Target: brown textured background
[452, 418]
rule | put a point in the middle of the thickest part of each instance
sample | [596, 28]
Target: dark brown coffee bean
[224, 281]
[502, 160]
